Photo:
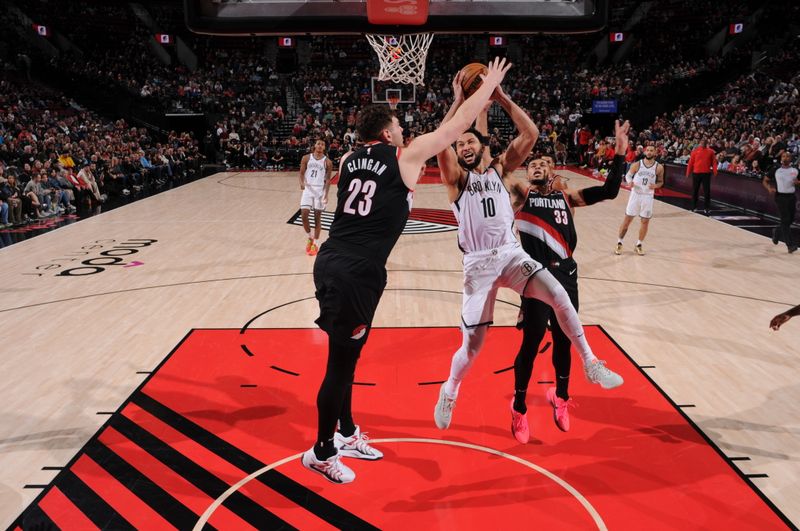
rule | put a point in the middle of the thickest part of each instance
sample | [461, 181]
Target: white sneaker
[443, 412]
[331, 468]
[356, 446]
[598, 373]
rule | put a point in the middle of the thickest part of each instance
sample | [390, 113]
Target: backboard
[384, 90]
[331, 17]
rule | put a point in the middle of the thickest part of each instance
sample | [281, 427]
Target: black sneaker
[775, 236]
[792, 249]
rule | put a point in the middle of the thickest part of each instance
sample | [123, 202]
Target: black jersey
[373, 203]
[546, 226]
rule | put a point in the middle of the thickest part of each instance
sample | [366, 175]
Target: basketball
[471, 78]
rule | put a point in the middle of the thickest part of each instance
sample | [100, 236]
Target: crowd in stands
[253, 124]
[551, 77]
[57, 157]
[748, 124]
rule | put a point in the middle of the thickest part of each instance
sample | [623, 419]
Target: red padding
[397, 12]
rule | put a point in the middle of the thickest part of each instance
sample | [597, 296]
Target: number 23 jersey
[373, 203]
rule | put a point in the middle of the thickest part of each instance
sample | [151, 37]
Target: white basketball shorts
[486, 271]
[312, 198]
[640, 205]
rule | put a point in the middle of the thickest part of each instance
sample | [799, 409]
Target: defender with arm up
[547, 231]
[374, 197]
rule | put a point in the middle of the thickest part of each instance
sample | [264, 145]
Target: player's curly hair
[372, 120]
[478, 135]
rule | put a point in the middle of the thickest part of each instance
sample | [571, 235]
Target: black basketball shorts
[348, 288]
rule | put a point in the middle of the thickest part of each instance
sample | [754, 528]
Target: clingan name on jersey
[485, 186]
[547, 202]
[366, 164]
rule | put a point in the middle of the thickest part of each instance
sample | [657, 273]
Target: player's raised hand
[499, 95]
[621, 135]
[458, 90]
[497, 71]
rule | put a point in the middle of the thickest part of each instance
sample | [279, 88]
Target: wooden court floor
[89, 308]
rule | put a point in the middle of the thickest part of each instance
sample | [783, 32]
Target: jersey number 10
[488, 207]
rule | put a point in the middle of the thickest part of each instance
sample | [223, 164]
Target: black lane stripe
[248, 510]
[431, 383]
[90, 504]
[499, 371]
[299, 494]
[34, 518]
[286, 371]
[142, 487]
[325, 509]
[247, 350]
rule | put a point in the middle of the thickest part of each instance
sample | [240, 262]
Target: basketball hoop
[402, 57]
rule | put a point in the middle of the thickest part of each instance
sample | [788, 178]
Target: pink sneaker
[519, 425]
[560, 409]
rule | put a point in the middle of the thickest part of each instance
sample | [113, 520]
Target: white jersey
[643, 178]
[315, 172]
[784, 179]
[484, 214]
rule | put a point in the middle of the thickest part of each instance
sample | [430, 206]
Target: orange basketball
[471, 79]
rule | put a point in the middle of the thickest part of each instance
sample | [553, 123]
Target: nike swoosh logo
[571, 272]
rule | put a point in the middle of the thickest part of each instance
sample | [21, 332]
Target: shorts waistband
[490, 252]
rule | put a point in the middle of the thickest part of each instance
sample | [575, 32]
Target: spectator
[702, 163]
[11, 194]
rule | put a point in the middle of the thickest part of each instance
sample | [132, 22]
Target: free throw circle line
[598, 520]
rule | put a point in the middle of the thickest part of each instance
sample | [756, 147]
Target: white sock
[472, 340]
[619, 240]
[638, 242]
[459, 367]
[547, 289]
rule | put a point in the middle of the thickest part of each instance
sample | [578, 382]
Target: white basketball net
[402, 57]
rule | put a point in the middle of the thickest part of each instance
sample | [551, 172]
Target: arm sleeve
[609, 189]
